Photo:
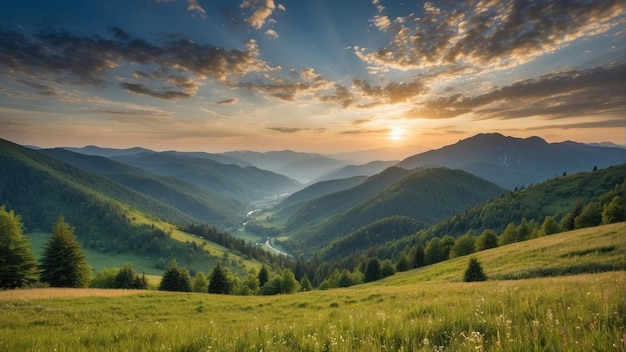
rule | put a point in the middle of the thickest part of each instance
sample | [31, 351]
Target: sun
[397, 134]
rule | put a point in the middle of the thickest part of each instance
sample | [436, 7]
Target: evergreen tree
[175, 279]
[418, 257]
[200, 283]
[264, 276]
[488, 239]
[305, 284]
[125, 277]
[474, 271]
[387, 268]
[63, 263]
[373, 271]
[219, 283]
[344, 279]
[18, 267]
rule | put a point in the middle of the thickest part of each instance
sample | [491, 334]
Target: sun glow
[397, 134]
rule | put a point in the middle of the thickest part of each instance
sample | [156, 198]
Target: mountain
[245, 184]
[197, 202]
[369, 169]
[387, 153]
[426, 196]
[514, 162]
[303, 167]
[107, 152]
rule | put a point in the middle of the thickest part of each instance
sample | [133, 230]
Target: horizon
[200, 75]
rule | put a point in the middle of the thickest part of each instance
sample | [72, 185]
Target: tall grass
[577, 313]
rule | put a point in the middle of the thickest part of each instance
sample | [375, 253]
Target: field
[427, 309]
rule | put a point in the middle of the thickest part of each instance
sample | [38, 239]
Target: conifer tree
[63, 263]
[18, 267]
[419, 257]
[264, 276]
[219, 282]
[474, 271]
[305, 283]
[373, 271]
[175, 279]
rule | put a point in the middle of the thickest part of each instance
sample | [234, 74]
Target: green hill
[424, 195]
[197, 202]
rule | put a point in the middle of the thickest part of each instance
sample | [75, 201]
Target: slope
[197, 202]
[369, 169]
[425, 195]
[246, 184]
[516, 162]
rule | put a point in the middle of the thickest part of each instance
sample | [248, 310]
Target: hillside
[338, 202]
[197, 202]
[245, 184]
[369, 169]
[413, 310]
[515, 162]
[424, 195]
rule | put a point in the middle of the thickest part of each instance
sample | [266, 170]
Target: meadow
[427, 309]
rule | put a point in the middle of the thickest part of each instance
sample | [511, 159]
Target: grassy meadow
[427, 309]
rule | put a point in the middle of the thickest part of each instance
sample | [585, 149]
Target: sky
[309, 75]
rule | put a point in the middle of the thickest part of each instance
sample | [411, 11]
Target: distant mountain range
[515, 162]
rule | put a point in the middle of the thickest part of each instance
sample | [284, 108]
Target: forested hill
[195, 201]
[40, 189]
[425, 196]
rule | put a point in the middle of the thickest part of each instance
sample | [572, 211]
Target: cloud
[271, 33]
[263, 9]
[619, 123]
[192, 5]
[228, 101]
[392, 93]
[367, 131]
[290, 130]
[59, 55]
[305, 82]
[596, 91]
[488, 35]
[145, 90]
[343, 97]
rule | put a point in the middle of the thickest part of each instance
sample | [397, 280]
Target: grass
[427, 309]
[579, 313]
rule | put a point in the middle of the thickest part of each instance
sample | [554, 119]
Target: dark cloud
[145, 90]
[503, 33]
[290, 130]
[58, 54]
[367, 131]
[228, 101]
[305, 82]
[342, 97]
[596, 91]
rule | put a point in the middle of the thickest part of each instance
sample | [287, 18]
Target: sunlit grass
[580, 313]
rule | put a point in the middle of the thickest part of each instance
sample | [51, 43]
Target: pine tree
[219, 282]
[418, 257]
[305, 284]
[264, 276]
[474, 271]
[175, 279]
[63, 263]
[18, 267]
[373, 271]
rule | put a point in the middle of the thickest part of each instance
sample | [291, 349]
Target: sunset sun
[397, 134]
